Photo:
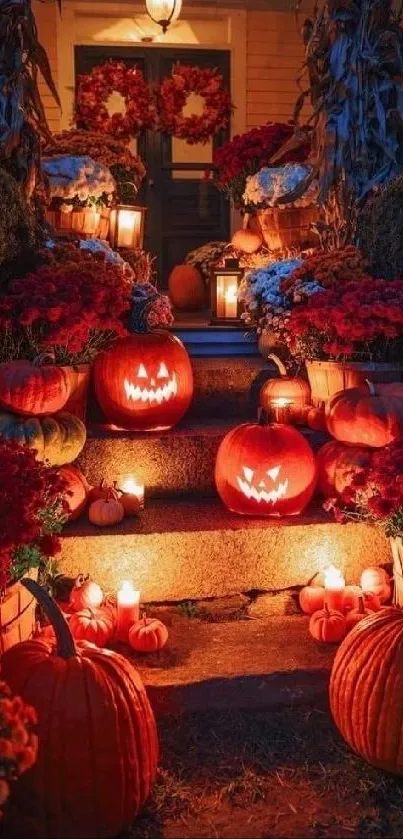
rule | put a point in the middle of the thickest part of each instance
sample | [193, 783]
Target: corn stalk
[22, 116]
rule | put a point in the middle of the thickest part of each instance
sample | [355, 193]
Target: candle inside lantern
[334, 588]
[231, 302]
[128, 602]
[131, 487]
[281, 409]
[129, 222]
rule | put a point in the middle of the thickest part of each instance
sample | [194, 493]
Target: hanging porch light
[163, 12]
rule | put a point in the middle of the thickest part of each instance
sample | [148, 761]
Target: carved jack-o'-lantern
[144, 381]
[265, 470]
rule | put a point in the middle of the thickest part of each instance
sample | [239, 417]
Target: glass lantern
[126, 226]
[225, 307]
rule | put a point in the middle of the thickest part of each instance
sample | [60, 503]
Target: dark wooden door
[184, 210]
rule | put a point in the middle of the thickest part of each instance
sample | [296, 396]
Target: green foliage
[380, 231]
[394, 525]
[18, 230]
[188, 608]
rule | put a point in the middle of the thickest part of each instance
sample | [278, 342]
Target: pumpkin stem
[326, 610]
[279, 364]
[144, 616]
[360, 607]
[371, 387]
[245, 223]
[65, 645]
[262, 416]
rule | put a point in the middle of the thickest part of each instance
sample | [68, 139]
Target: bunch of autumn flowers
[18, 742]
[358, 320]
[74, 304]
[32, 511]
[247, 153]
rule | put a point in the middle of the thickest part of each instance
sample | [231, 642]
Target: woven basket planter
[87, 222]
[17, 614]
[329, 377]
[397, 554]
[288, 229]
[79, 377]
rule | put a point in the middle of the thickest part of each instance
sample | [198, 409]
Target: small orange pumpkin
[296, 391]
[350, 597]
[77, 489]
[187, 289]
[33, 388]
[376, 581]
[105, 512]
[96, 626]
[102, 490]
[371, 601]
[338, 464]
[357, 614]
[316, 419]
[327, 626]
[371, 415]
[148, 635]
[130, 503]
[246, 240]
[312, 599]
[85, 594]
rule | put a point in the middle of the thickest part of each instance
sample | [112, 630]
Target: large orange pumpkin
[295, 391]
[77, 489]
[366, 689]
[337, 465]
[247, 240]
[98, 744]
[371, 415]
[265, 470]
[32, 388]
[186, 288]
[144, 381]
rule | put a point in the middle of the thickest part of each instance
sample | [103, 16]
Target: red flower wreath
[173, 93]
[95, 88]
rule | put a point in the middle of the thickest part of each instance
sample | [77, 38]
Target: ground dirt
[256, 776]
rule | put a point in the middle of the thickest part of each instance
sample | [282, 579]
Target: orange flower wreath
[173, 93]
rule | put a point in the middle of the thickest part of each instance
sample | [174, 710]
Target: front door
[184, 209]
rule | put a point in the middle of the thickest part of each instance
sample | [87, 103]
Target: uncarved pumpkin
[85, 594]
[98, 745]
[316, 419]
[92, 625]
[338, 464]
[29, 388]
[105, 512]
[366, 689]
[144, 381]
[376, 581]
[357, 614]
[148, 635]
[247, 240]
[371, 415]
[57, 439]
[312, 599]
[265, 470]
[296, 391]
[328, 626]
[77, 489]
[102, 490]
[187, 289]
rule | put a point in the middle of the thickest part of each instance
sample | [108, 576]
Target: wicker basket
[87, 222]
[17, 615]
[329, 377]
[79, 378]
[287, 229]
[397, 554]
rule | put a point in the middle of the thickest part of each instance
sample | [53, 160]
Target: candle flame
[127, 595]
[131, 486]
[333, 578]
[231, 294]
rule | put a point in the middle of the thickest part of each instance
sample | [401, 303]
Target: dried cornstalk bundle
[354, 62]
[22, 116]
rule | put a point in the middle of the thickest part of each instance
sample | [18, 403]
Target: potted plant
[348, 333]
[31, 514]
[72, 306]
[81, 192]
[375, 494]
[18, 743]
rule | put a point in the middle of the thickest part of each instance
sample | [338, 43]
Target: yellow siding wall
[46, 20]
[274, 58]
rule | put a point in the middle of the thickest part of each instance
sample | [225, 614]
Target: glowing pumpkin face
[265, 470]
[144, 381]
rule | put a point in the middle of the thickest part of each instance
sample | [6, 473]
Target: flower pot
[288, 229]
[17, 614]
[396, 544]
[79, 377]
[328, 377]
[87, 221]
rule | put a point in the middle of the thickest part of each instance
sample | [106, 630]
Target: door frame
[230, 26]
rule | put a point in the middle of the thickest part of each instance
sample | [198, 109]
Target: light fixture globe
[163, 12]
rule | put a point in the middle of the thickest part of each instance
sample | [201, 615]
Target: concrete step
[173, 463]
[244, 665]
[223, 387]
[179, 549]
[218, 341]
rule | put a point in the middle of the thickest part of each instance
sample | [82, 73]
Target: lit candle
[334, 588]
[127, 228]
[131, 487]
[350, 597]
[128, 602]
[281, 409]
[231, 302]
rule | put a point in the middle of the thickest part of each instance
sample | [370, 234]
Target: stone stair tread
[206, 426]
[188, 516]
[243, 664]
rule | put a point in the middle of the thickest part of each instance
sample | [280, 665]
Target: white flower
[77, 177]
[269, 184]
